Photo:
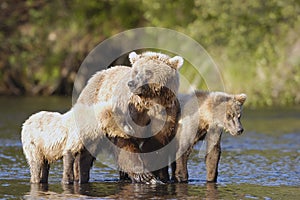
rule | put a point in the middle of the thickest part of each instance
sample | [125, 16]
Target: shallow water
[263, 163]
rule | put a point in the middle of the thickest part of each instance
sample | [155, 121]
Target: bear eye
[134, 73]
[228, 116]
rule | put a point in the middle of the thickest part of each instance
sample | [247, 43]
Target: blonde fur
[175, 62]
[48, 136]
[102, 85]
[111, 86]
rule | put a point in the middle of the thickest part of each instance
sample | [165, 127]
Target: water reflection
[117, 190]
[212, 191]
[42, 191]
[263, 163]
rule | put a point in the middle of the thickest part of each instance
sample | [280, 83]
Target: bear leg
[181, 171]
[44, 171]
[131, 162]
[162, 174]
[212, 157]
[82, 165]
[212, 162]
[76, 168]
[34, 159]
[123, 176]
[86, 161]
[68, 173]
[35, 171]
[173, 167]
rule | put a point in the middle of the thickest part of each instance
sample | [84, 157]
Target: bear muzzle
[240, 131]
[136, 88]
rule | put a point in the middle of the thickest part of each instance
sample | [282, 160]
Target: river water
[263, 163]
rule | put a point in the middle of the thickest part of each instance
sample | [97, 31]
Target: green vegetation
[255, 43]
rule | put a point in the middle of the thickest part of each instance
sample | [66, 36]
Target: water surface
[263, 163]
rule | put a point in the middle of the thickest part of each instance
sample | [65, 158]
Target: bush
[256, 43]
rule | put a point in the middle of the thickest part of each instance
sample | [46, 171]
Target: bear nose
[240, 131]
[130, 84]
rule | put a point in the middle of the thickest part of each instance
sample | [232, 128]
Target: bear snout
[240, 131]
[134, 88]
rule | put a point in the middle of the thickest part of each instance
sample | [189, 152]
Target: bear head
[227, 112]
[153, 73]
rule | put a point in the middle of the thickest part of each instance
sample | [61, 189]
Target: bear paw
[147, 178]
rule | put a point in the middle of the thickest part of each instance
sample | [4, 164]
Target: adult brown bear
[152, 81]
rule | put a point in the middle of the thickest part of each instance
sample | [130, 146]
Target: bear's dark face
[233, 113]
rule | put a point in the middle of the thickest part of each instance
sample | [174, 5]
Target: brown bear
[205, 115]
[49, 136]
[152, 81]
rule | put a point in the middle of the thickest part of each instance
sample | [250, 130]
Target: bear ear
[133, 57]
[220, 97]
[176, 62]
[241, 98]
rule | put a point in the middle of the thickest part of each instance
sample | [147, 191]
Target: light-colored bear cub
[49, 136]
[205, 115]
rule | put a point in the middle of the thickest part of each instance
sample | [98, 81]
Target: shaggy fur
[206, 115]
[49, 136]
[153, 80]
[100, 111]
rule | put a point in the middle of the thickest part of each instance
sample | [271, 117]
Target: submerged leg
[82, 165]
[35, 171]
[76, 168]
[86, 161]
[68, 173]
[212, 156]
[163, 174]
[181, 171]
[44, 171]
[130, 161]
[34, 159]
[124, 176]
[173, 167]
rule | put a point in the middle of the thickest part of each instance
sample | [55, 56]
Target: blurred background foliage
[255, 43]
